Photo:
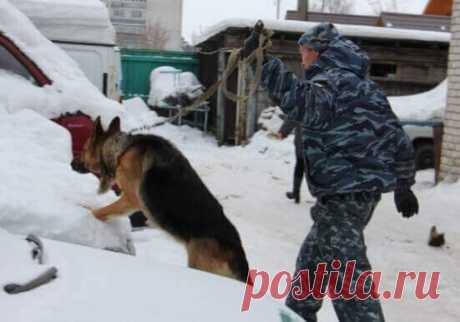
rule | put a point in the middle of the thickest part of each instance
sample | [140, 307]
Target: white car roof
[94, 285]
[80, 21]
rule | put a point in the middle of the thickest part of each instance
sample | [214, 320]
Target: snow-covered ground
[251, 182]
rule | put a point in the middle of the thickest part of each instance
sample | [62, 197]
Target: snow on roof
[70, 92]
[84, 21]
[346, 30]
[422, 107]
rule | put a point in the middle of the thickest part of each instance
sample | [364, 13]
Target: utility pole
[278, 9]
[303, 8]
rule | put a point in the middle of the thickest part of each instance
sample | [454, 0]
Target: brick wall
[450, 157]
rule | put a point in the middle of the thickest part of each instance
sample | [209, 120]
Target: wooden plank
[241, 106]
[220, 100]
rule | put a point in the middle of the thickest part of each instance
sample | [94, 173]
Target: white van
[83, 29]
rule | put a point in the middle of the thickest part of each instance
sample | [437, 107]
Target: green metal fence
[137, 64]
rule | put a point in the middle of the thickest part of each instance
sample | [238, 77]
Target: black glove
[405, 201]
[252, 42]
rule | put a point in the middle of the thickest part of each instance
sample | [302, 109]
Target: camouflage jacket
[352, 140]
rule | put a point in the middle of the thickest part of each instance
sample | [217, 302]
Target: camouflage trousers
[337, 234]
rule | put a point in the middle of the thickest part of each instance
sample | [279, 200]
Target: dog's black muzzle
[79, 166]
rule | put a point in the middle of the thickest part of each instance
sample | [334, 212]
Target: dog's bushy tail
[239, 264]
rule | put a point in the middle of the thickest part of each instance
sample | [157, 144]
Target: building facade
[450, 155]
[155, 24]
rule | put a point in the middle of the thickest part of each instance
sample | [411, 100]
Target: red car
[14, 60]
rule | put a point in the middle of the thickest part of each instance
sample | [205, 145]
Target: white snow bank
[139, 112]
[41, 194]
[136, 106]
[346, 30]
[71, 91]
[168, 81]
[84, 21]
[426, 106]
[103, 286]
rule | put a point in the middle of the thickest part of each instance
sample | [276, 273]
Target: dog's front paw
[99, 215]
[85, 206]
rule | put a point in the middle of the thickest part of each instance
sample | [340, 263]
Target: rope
[232, 65]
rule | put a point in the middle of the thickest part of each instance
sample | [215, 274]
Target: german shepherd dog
[156, 178]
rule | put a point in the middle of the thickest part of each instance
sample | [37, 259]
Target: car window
[10, 63]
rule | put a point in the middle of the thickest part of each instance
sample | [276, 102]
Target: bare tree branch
[156, 36]
[332, 6]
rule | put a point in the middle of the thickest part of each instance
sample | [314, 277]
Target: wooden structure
[439, 8]
[418, 22]
[450, 157]
[331, 17]
[402, 66]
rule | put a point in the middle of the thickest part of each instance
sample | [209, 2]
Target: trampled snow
[251, 182]
[41, 193]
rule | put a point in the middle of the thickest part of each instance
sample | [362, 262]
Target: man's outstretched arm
[405, 200]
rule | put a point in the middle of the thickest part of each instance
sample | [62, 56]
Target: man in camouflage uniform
[354, 150]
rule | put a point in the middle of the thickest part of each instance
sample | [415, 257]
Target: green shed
[137, 64]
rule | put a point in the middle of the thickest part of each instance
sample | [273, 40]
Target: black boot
[295, 194]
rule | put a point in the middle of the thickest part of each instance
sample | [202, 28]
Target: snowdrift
[41, 194]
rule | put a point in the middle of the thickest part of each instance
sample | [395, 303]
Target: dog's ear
[98, 130]
[114, 126]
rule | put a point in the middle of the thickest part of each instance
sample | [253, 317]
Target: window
[10, 63]
[384, 70]
[118, 13]
[136, 14]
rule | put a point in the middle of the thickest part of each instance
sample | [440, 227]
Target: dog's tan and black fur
[155, 177]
